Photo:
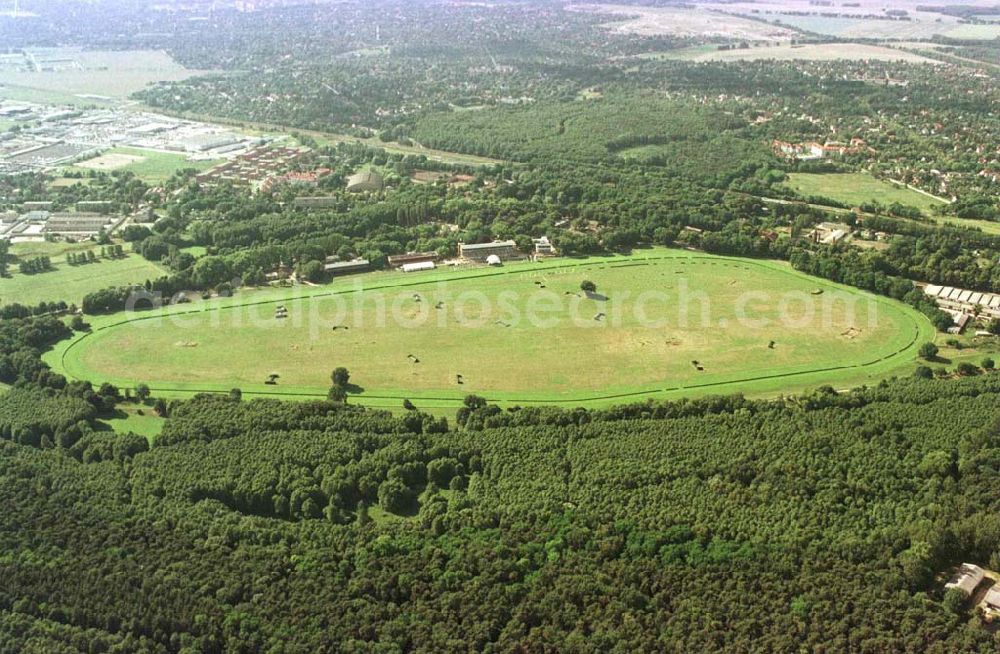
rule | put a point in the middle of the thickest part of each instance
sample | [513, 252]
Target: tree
[210, 271]
[441, 471]
[363, 517]
[142, 392]
[474, 402]
[340, 377]
[409, 406]
[235, 394]
[588, 286]
[954, 600]
[394, 496]
[160, 406]
[134, 233]
[988, 363]
[337, 394]
[966, 369]
[928, 351]
[78, 324]
[311, 271]
[923, 372]
[942, 320]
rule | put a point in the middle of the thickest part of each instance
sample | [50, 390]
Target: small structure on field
[966, 579]
[365, 181]
[543, 246]
[991, 601]
[503, 250]
[494, 260]
[347, 267]
[416, 267]
[400, 260]
[829, 233]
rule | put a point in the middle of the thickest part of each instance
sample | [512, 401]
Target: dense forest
[711, 525]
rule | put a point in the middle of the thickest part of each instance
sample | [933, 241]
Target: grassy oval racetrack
[663, 323]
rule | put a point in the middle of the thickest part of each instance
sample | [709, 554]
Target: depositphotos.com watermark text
[447, 305]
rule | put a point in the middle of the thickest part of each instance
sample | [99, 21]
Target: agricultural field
[859, 188]
[71, 283]
[661, 323]
[676, 21]
[789, 52]
[108, 74]
[150, 166]
[849, 23]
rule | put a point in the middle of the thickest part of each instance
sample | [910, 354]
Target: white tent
[494, 260]
[414, 267]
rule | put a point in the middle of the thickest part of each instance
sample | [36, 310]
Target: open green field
[151, 166]
[196, 251]
[523, 334]
[71, 283]
[858, 188]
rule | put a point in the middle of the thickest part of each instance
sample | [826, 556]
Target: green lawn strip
[892, 356]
